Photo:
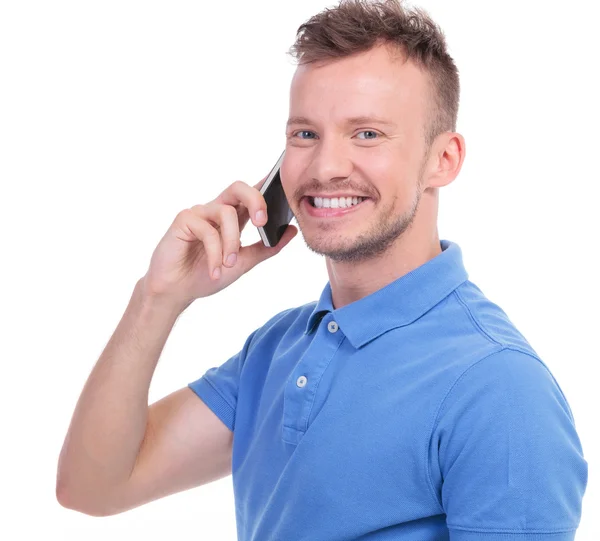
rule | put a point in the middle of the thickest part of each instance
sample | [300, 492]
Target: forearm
[109, 421]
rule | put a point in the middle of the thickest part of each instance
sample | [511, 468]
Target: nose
[330, 161]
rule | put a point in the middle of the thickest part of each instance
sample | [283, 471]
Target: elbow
[68, 501]
[62, 494]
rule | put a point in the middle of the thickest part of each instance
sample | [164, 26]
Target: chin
[344, 250]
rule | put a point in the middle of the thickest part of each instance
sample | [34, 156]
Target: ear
[445, 160]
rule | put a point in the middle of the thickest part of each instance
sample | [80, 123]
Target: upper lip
[334, 195]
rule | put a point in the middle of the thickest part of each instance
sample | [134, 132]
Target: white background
[116, 115]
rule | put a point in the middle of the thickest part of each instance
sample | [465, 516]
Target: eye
[302, 131]
[371, 132]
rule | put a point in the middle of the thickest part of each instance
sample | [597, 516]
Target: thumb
[258, 252]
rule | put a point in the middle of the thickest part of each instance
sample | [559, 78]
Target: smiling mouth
[335, 202]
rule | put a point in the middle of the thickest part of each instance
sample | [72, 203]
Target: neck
[351, 281]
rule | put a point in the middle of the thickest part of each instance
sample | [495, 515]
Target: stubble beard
[370, 244]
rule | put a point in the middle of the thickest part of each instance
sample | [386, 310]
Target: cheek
[289, 178]
[389, 173]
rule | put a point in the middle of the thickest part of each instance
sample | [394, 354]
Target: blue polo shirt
[418, 413]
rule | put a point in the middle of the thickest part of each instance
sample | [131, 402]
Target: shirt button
[332, 326]
[301, 381]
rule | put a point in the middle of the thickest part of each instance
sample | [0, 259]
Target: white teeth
[336, 202]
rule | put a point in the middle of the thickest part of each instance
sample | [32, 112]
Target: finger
[258, 252]
[207, 235]
[249, 197]
[258, 185]
[226, 219]
[243, 214]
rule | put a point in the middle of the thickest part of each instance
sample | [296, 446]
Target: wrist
[151, 300]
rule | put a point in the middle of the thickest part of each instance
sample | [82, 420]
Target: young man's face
[327, 155]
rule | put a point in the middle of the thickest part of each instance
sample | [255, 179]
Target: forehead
[369, 83]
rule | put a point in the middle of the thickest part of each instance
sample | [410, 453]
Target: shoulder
[509, 385]
[490, 319]
[508, 365]
[290, 315]
[287, 324]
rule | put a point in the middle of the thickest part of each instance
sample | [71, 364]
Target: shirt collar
[400, 302]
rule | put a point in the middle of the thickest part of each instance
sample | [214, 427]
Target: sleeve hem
[472, 535]
[211, 397]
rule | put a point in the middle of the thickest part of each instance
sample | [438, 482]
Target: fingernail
[231, 259]
[260, 215]
[217, 273]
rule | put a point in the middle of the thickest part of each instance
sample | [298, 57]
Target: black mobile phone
[279, 213]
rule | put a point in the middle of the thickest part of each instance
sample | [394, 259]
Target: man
[403, 404]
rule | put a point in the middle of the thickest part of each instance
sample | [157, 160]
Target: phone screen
[279, 213]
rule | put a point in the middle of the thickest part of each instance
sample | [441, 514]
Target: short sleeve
[218, 387]
[510, 459]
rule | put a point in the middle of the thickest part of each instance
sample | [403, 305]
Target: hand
[192, 259]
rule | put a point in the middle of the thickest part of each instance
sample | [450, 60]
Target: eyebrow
[349, 121]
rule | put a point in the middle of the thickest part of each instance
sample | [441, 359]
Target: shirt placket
[301, 387]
